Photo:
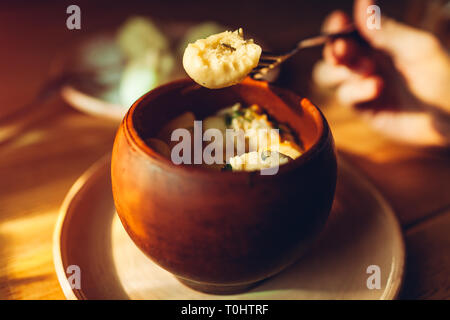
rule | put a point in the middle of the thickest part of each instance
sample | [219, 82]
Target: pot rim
[138, 143]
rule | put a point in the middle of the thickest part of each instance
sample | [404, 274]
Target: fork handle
[321, 39]
[310, 42]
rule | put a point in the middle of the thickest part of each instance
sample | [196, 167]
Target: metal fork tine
[265, 55]
[258, 67]
[256, 75]
[265, 64]
[264, 58]
[260, 70]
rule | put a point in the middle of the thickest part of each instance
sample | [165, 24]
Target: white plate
[362, 231]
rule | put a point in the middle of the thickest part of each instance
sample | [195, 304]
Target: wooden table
[55, 144]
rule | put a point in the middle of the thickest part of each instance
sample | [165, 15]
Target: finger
[350, 56]
[335, 21]
[341, 51]
[363, 66]
[344, 51]
[329, 75]
[328, 54]
[326, 75]
[359, 90]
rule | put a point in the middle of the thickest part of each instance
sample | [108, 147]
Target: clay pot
[222, 232]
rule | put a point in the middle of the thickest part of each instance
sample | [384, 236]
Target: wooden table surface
[44, 150]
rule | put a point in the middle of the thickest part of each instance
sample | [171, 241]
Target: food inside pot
[236, 138]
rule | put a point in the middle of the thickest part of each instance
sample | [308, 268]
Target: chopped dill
[226, 45]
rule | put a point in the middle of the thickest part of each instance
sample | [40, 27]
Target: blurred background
[58, 85]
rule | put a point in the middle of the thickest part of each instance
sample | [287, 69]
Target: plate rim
[396, 277]
[92, 105]
[64, 216]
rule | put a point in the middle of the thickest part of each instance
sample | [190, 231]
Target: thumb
[394, 38]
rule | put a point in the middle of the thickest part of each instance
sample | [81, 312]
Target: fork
[269, 61]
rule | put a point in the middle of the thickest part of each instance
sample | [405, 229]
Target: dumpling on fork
[221, 60]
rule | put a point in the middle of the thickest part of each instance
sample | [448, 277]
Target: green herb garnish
[226, 45]
[237, 113]
[228, 120]
[227, 167]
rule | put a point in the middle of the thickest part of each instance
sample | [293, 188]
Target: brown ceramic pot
[222, 232]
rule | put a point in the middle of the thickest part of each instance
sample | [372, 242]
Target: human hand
[399, 82]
